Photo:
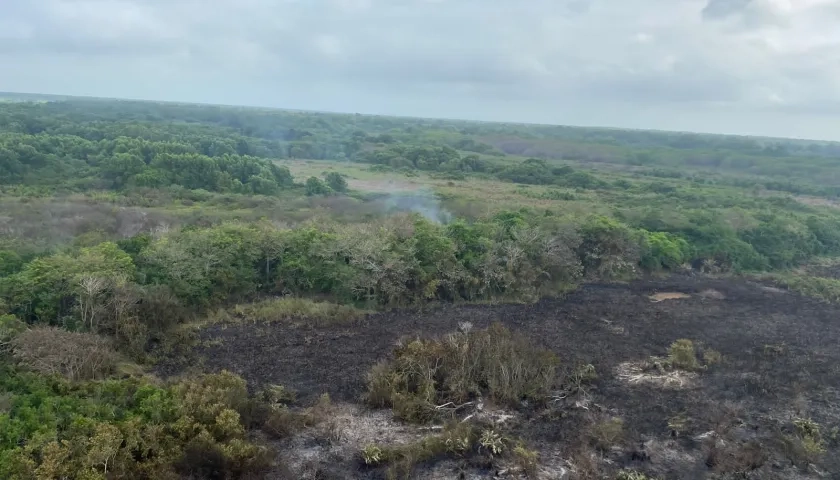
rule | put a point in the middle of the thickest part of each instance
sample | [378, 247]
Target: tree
[315, 186]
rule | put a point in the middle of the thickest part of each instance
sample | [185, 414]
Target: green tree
[315, 186]
[336, 182]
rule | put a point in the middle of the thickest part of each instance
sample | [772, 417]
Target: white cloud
[756, 66]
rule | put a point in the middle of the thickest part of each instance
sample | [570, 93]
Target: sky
[756, 67]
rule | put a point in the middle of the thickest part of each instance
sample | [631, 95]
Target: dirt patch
[712, 294]
[753, 395]
[662, 296]
[775, 290]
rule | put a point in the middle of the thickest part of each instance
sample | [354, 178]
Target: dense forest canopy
[159, 214]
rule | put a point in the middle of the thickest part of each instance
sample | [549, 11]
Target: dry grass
[642, 373]
[282, 422]
[734, 458]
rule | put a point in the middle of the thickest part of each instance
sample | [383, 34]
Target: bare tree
[92, 297]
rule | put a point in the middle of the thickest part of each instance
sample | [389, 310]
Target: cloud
[743, 65]
[716, 9]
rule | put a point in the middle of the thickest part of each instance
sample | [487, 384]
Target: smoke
[424, 202]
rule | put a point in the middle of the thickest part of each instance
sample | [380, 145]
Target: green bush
[663, 251]
[124, 428]
[316, 186]
[682, 354]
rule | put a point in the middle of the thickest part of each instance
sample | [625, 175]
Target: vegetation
[124, 221]
[683, 355]
[125, 428]
[291, 309]
[431, 378]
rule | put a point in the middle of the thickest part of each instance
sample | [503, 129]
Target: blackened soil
[781, 361]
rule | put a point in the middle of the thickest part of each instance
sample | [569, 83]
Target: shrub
[662, 251]
[810, 437]
[607, 433]
[711, 357]
[682, 354]
[427, 373]
[76, 356]
[372, 454]
[315, 186]
[526, 459]
[608, 249]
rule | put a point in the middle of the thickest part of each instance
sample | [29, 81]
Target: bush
[607, 433]
[315, 186]
[336, 182]
[493, 362]
[76, 356]
[609, 249]
[810, 437]
[663, 251]
[682, 354]
[125, 429]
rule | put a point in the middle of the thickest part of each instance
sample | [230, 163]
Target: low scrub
[427, 378]
[298, 309]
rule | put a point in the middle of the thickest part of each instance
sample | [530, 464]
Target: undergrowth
[294, 309]
[456, 440]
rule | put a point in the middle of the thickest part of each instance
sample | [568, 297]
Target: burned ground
[780, 363]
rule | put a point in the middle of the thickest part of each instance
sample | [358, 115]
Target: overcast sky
[767, 67]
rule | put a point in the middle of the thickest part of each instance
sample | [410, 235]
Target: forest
[125, 223]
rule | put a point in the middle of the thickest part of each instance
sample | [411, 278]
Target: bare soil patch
[779, 363]
[662, 296]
